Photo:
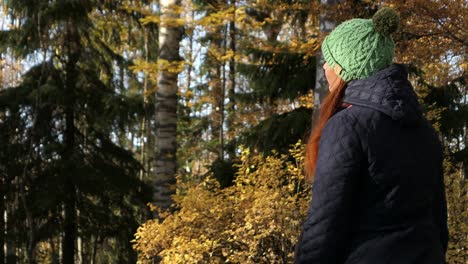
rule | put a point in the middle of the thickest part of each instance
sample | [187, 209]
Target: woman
[378, 194]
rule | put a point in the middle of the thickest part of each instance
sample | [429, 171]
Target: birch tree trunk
[321, 86]
[170, 35]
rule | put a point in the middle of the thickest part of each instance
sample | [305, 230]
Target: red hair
[329, 107]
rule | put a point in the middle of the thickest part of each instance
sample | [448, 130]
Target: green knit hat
[362, 46]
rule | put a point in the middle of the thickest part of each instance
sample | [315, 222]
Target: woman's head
[361, 47]
[356, 49]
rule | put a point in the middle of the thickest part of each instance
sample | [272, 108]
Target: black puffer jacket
[378, 195]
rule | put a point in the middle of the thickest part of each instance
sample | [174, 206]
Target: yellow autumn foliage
[257, 220]
[457, 202]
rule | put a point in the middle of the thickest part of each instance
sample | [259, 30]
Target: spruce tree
[59, 147]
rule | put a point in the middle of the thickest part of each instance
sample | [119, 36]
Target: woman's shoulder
[359, 115]
[350, 118]
[345, 118]
[344, 129]
[347, 112]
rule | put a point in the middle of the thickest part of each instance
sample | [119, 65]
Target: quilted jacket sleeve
[440, 207]
[325, 234]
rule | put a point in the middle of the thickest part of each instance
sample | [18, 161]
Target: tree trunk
[232, 84]
[30, 226]
[70, 218]
[94, 249]
[166, 106]
[3, 212]
[143, 127]
[321, 86]
[10, 228]
[53, 249]
[222, 97]
[3, 217]
[79, 243]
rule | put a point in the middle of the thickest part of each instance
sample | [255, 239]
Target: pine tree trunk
[53, 249]
[217, 92]
[232, 84]
[223, 94]
[2, 220]
[94, 249]
[29, 223]
[321, 86]
[70, 218]
[10, 250]
[166, 107]
[79, 242]
[149, 122]
[3, 214]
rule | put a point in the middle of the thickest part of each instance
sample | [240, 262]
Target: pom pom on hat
[386, 21]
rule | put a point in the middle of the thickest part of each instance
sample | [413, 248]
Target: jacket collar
[387, 91]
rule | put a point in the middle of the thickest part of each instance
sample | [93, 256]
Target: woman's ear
[337, 69]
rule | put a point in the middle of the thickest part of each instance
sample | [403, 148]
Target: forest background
[172, 131]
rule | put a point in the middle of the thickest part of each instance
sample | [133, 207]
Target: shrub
[257, 220]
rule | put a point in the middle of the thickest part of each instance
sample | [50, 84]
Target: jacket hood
[389, 92]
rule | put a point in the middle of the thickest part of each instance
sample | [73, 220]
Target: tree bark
[223, 94]
[232, 84]
[2, 221]
[70, 217]
[321, 86]
[170, 35]
[11, 242]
